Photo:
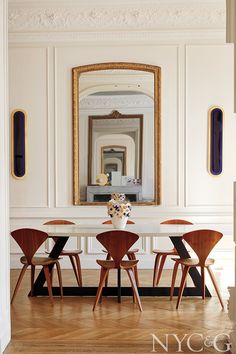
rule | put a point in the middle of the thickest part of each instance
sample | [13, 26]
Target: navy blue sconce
[216, 119]
[19, 150]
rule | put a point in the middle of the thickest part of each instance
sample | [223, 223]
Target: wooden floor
[70, 326]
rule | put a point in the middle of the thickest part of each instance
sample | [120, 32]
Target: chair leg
[134, 297]
[51, 274]
[135, 289]
[203, 282]
[108, 258]
[155, 273]
[213, 279]
[163, 259]
[74, 269]
[32, 279]
[19, 281]
[59, 277]
[100, 299]
[103, 276]
[135, 268]
[175, 270]
[48, 280]
[182, 269]
[181, 289]
[77, 259]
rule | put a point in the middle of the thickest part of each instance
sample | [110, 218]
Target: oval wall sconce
[19, 143]
[216, 119]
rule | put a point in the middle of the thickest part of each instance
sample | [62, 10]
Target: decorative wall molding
[159, 37]
[80, 214]
[28, 17]
[122, 101]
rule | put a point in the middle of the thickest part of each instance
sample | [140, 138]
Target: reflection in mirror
[116, 132]
[126, 158]
[113, 160]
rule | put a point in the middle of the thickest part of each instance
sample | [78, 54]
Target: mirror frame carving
[156, 71]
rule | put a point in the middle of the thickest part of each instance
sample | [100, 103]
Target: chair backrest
[202, 242]
[117, 243]
[29, 241]
[177, 222]
[110, 222]
[58, 222]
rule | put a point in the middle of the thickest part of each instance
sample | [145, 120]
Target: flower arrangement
[118, 206]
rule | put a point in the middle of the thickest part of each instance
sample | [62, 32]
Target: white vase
[119, 223]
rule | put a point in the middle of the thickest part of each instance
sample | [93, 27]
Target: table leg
[55, 253]
[193, 272]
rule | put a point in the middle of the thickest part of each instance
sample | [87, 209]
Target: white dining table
[144, 228]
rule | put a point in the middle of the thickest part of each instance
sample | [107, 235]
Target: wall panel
[164, 56]
[209, 82]
[29, 91]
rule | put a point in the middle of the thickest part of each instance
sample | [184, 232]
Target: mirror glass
[115, 146]
[113, 159]
[116, 125]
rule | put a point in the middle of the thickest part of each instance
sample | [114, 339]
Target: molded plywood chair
[202, 242]
[161, 255]
[130, 254]
[72, 254]
[29, 241]
[117, 243]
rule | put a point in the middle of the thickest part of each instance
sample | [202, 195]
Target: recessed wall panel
[209, 82]
[164, 56]
[28, 89]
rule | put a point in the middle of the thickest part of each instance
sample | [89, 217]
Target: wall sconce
[19, 143]
[215, 154]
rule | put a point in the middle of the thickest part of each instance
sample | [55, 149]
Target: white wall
[197, 73]
[5, 330]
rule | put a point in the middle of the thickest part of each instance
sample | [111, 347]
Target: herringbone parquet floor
[70, 326]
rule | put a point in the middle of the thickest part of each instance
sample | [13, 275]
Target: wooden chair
[29, 241]
[202, 242]
[72, 254]
[161, 255]
[117, 243]
[130, 254]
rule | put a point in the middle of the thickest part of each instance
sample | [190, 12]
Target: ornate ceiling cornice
[30, 17]
[109, 102]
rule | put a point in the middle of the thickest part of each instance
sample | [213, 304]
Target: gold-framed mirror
[116, 132]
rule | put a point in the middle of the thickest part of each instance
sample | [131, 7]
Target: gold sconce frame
[25, 141]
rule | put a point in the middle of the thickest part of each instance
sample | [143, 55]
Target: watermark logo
[194, 342]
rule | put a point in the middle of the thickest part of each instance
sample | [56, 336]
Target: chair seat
[133, 250]
[111, 264]
[166, 252]
[193, 262]
[39, 260]
[70, 252]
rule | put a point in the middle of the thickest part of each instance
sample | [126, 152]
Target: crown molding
[170, 37]
[31, 16]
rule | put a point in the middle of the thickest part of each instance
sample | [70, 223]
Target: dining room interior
[117, 205]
